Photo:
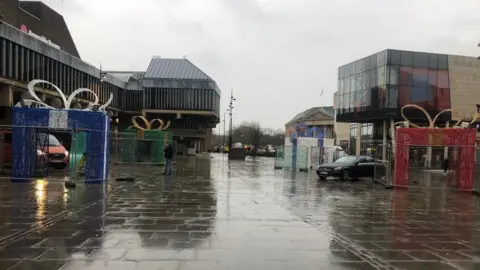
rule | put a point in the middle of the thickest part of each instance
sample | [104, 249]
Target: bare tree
[256, 135]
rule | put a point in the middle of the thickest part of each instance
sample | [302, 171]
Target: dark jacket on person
[168, 152]
[445, 164]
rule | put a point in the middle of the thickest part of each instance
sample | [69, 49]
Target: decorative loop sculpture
[431, 123]
[148, 125]
[67, 102]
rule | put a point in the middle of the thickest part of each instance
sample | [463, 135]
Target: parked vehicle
[49, 149]
[351, 167]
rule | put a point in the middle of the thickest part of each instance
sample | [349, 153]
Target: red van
[50, 150]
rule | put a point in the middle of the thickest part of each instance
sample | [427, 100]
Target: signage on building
[24, 29]
[44, 39]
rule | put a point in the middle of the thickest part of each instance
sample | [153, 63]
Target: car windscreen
[346, 159]
[52, 140]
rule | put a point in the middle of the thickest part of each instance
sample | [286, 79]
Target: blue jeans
[168, 166]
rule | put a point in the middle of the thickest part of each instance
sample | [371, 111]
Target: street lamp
[314, 115]
[230, 112]
[224, 133]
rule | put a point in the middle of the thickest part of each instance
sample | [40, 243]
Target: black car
[351, 167]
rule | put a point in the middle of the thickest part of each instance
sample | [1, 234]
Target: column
[6, 101]
[445, 150]
[208, 139]
[384, 141]
[358, 139]
[392, 135]
[6, 95]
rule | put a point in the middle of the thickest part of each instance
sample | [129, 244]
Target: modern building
[318, 120]
[372, 91]
[35, 44]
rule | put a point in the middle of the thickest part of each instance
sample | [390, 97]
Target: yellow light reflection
[41, 196]
[65, 196]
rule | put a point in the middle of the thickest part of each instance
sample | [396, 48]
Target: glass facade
[376, 87]
[353, 139]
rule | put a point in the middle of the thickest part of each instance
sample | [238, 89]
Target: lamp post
[314, 115]
[224, 132]
[230, 112]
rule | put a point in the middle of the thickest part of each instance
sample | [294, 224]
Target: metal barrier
[128, 154]
[279, 161]
[60, 155]
[294, 158]
[328, 154]
[429, 167]
[45, 153]
[384, 165]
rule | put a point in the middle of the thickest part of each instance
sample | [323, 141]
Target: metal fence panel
[62, 154]
[290, 157]
[384, 165]
[429, 167]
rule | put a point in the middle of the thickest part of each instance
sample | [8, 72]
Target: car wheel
[345, 176]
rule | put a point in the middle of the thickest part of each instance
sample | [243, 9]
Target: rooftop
[164, 68]
[327, 110]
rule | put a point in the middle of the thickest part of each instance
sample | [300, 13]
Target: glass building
[372, 91]
[376, 87]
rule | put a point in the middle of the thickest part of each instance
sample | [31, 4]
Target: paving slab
[215, 214]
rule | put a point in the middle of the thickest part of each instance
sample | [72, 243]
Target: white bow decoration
[66, 101]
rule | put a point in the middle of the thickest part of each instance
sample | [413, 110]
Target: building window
[403, 96]
[405, 76]
[433, 61]
[442, 80]
[443, 99]
[381, 80]
[419, 96]
[442, 61]
[341, 86]
[395, 58]
[381, 58]
[420, 60]
[406, 58]
[358, 82]
[373, 62]
[420, 77]
[358, 66]
[393, 96]
[432, 77]
[393, 75]
[345, 103]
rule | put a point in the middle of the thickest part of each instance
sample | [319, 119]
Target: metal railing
[429, 167]
[63, 154]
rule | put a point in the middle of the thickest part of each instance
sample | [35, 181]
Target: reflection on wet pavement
[215, 214]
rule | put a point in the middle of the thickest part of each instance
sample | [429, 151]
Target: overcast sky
[276, 55]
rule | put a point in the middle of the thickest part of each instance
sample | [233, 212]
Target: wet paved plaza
[212, 214]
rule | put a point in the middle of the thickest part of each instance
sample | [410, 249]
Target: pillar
[384, 141]
[6, 103]
[358, 139]
[6, 95]
[208, 139]
[445, 150]
[392, 136]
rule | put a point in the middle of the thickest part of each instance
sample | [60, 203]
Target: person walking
[168, 154]
[445, 165]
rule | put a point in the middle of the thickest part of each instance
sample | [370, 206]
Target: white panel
[58, 119]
